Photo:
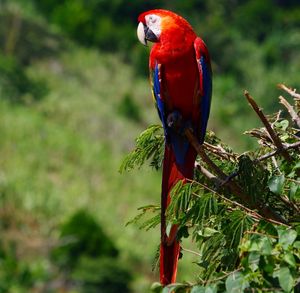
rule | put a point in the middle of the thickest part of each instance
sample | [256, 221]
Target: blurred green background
[74, 94]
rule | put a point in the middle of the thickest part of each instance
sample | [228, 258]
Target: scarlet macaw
[181, 80]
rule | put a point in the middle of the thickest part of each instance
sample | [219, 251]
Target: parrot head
[159, 26]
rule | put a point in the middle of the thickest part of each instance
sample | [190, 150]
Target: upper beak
[141, 34]
[145, 34]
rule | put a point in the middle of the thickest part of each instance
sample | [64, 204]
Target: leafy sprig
[242, 211]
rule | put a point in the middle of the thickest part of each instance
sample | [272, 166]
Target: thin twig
[276, 165]
[289, 91]
[190, 251]
[289, 203]
[219, 151]
[261, 234]
[232, 185]
[211, 176]
[249, 212]
[291, 110]
[268, 126]
[273, 153]
[208, 174]
[222, 277]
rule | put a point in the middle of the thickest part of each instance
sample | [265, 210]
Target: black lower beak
[149, 35]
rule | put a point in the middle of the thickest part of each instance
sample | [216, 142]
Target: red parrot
[181, 80]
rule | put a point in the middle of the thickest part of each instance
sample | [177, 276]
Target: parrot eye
[152, 19]
[153, 22]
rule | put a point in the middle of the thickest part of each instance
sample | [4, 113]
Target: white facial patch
[153, 22]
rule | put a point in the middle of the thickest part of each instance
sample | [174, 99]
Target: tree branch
[232, 185]
[268, 127]
[220, 152]
[286, 147]
[291, 110]
[289, 91]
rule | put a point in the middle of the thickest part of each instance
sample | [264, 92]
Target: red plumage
[175, 61]
[170, 246]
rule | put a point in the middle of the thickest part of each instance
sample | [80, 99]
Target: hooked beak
[145, 34]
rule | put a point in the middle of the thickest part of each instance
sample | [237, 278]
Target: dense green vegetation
[240, 210]
[74, 94]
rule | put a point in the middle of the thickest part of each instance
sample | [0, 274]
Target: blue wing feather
[157, 95]
[206, 98]
[179, 143]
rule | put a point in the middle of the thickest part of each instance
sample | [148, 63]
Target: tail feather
[170, 247]
[168, 262]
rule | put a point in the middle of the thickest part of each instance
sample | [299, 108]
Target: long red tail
[170, 247]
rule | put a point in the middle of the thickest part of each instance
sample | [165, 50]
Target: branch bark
[289, 91]
[286, 147]
[276, 140]
[220, 152]
[291, 110]
[231, 184]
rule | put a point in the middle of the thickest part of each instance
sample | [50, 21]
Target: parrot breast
[179, 74]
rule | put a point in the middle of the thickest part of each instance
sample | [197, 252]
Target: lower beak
[150, 35]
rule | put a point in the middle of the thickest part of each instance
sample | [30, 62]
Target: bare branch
[289, 203]
[206, 173]
[291, 110]
[286, 147]
[220, 152]
[290, 91]
[268, 126]
[232, 185]
[190, 251]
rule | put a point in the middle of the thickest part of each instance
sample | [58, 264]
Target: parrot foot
[175, 121]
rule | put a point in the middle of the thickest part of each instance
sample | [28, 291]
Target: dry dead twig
[286, 147]
[231, 184]
[291, 92]
[220, 152]
[291, 110]
[276, 140]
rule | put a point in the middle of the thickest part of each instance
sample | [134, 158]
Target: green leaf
[296, 244]
[294, 192]
[268, 228]
[269, 264]
[286, 280]
[183, 232]
[208, 232]
[240, 223]
[253, 260]
[149, 145]
[211, 289]
[254, 245]
[173, 288]
[284, 124]
[198, 289]
[236, 283]
[265, 246]
[150, 222]
[156, 287]
[289, 259]
[297, 166]
[287, 237]
[276, 184]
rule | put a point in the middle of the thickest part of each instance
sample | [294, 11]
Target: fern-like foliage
[148, 218]
[247, 227]
[149, 146]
